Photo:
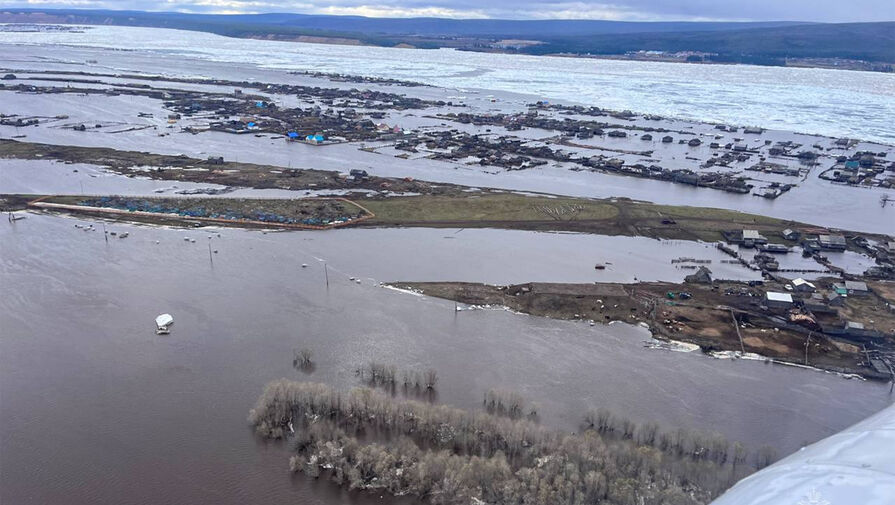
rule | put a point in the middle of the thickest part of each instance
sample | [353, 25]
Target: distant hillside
[760, 43]
[356, 25]
[859, 41]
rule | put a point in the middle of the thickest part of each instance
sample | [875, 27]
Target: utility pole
[807, 341]
[737, 326]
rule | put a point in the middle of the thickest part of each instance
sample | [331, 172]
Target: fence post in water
[105, 233]
[326, 275]
[210, 257]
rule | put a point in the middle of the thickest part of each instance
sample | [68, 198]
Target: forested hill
[860, 41]
[758, 42]
[356, 25]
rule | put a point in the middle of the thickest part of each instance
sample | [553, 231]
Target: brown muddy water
[96, 408]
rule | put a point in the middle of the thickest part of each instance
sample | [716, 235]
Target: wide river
[827, 102]
[96, 408]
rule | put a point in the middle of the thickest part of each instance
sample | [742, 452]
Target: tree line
[388, 377]
[367, 439]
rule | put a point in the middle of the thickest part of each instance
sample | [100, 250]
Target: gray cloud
[630, 10]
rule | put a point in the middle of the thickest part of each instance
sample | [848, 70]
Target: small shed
[803, 286]
[752, 238]
[835, 300]
[790, 234]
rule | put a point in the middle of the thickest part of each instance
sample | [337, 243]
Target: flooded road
[96, 408]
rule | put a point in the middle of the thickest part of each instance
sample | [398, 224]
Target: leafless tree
[302, 359]
[431, 378]
[765, 456]
[446, 455]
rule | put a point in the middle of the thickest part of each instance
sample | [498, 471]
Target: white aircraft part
[854, 466]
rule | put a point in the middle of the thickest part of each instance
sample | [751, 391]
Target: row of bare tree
[376, 373]
[448, 455]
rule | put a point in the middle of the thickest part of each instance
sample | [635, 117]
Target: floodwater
[828, 102]
[555, 257]
[96, 408]
[844, 207]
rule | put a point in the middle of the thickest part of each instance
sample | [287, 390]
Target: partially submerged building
[831, 242]
[702, 276]
[789, 234]
[751, 238]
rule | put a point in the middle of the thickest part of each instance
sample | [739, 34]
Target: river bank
[410, 202]
[458, 207]
[722, 316]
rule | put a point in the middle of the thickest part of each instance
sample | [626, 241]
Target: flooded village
[588, 272]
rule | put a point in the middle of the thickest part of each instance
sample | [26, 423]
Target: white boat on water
[162, 323]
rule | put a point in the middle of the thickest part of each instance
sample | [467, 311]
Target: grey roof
[778, 297]
[855, 286]
[831, 239]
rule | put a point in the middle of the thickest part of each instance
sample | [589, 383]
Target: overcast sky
[627, 10]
